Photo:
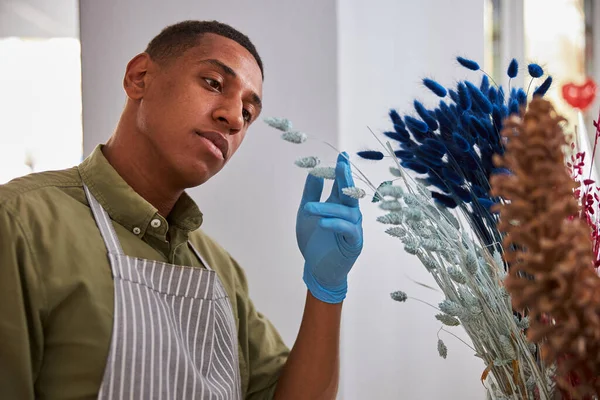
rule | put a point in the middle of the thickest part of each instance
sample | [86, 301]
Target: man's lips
[217, 139]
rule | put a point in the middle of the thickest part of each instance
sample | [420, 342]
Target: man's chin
[198, 176]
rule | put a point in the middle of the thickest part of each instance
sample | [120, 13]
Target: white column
[512, 40]
[385, 48]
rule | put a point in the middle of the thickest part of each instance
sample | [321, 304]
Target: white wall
[39, 18]
[385, 49]
[333, 68]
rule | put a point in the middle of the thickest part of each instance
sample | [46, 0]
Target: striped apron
[174, 334]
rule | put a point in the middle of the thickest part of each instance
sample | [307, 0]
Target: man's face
[196, 110]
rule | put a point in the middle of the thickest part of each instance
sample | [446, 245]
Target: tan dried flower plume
[550, 254]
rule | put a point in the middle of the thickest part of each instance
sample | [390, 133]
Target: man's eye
[246, 114]
[213, 83]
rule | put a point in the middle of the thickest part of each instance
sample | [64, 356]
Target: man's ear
[136, 76]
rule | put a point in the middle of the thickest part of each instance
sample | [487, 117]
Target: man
[109, 289]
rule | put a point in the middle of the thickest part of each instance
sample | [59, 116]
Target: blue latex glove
[329, 234]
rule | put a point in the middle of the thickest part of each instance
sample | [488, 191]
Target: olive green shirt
[56, 288]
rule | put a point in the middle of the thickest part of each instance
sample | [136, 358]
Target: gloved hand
[329, 234]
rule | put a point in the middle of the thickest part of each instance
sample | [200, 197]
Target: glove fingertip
[313, 188]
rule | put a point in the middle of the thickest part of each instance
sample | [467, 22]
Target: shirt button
[136, 230]
[155, 223]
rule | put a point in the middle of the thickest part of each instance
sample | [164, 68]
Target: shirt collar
[127, 207]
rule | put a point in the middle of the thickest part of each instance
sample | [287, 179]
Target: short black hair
[174, 40]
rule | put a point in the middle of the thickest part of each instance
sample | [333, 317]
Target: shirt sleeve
[21, 305]
[265, 351]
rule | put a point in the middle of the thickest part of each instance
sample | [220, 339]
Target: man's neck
[143, 177]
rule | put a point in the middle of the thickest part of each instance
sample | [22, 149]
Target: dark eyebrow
[229, 71]
[224, 67]
[257, 100]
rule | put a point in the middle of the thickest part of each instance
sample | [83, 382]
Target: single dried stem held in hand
[298, 137]
[550, 255]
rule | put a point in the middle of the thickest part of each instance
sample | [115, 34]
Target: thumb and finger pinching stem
[313, 163]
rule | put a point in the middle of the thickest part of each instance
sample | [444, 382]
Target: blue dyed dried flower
[513, 68]
[435, 87]
[469, 64]
[541, 91]
[371, 155]
[535, 70]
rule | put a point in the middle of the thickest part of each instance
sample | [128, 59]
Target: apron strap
[108, 233]
[107, 230]
[199, 256]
